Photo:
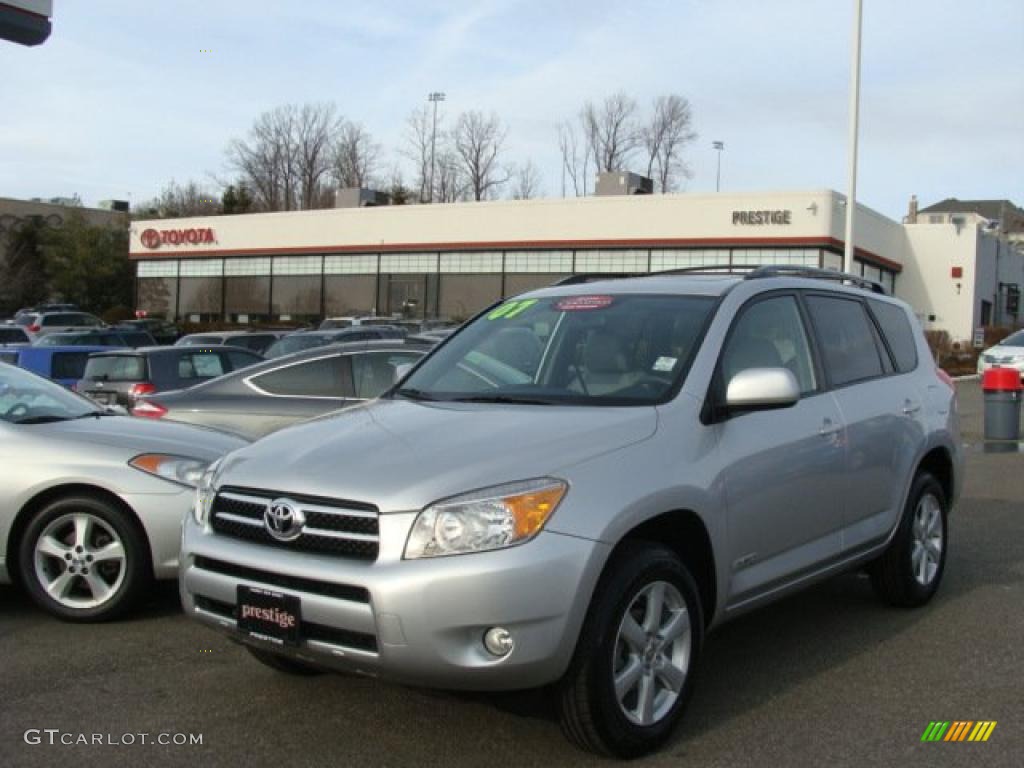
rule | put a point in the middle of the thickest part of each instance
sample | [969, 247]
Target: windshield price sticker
[580, 303]
[665, 363]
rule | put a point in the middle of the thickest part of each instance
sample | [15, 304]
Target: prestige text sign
[760, 218]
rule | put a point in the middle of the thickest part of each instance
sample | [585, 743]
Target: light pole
[851, 197]
[719, 146]
[435, 97]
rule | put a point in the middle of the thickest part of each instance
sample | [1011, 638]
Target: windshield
[296, 343]
[591, 350]
[29, 399]
[1013, 340]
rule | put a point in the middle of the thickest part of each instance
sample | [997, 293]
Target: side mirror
[758, 389]
[401, 370]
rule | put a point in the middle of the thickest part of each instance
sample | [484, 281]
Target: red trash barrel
[1002, 390]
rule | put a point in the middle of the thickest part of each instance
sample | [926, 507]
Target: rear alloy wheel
[82, 559]
[909, 571]
[631, 675]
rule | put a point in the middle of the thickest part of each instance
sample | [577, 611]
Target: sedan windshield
[593, 350]
[29, 399]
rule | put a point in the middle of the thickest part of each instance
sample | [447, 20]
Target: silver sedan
[91, 503]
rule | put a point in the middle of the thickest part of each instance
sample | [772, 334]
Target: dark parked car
[13, 334]
[121, 377]
[296, 342]
[255, 341]
[286, 390]
[163, 331]
[65, 365]
[106, 337]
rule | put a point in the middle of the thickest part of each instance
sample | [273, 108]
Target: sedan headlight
[491, 518]
[177, 469]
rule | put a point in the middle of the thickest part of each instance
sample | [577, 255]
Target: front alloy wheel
[83, 558]
[631, 674]
[652, 653]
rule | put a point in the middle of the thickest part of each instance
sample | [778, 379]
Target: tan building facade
[452, 260]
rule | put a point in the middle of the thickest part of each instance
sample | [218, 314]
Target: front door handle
[829, 428]
[909, 408]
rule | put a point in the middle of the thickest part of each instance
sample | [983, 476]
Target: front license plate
[268, 615]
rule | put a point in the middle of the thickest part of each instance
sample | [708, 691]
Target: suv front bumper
[419, 622]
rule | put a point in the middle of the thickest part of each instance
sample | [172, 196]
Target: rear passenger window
[770, 334]
[200, 365]
[897, 331]
[325, 377]
[848, 347]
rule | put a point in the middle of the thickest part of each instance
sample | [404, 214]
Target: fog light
[498, 641]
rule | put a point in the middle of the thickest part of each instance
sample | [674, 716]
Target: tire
[280, 663]
[908, 573]
[84, 559]
[592, 715]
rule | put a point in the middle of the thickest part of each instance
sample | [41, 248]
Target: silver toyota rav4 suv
[580, 483]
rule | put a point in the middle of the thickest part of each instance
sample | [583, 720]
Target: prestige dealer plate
[268, 615]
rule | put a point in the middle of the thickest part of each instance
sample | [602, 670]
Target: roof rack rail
[784, 270]
[749, 272]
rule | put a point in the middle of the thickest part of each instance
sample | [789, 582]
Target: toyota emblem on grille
[283, 519]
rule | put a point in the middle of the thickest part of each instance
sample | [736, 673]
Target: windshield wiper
[415, 394]
[41, 419]
[514, 399]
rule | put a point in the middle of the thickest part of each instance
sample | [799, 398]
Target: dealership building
[451, 260]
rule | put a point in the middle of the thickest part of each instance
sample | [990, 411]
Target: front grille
[312, 586]
[333, 527]
[308, 630]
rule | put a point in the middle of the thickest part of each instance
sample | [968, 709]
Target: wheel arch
[48, 495]
[939, 463]
[684, 532]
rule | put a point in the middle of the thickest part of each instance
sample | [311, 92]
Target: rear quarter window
[898, 333]
[200, 365]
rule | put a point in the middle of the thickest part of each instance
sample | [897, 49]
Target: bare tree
[418, 132]
[450, 184]
[526, 181]
[664, 136]
[575, 159]
[355, 156]
[610, 130]
[315, 126]
[177, 200]
[286, 156]
[478, 141]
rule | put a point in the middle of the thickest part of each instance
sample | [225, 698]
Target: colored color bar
[988, 731]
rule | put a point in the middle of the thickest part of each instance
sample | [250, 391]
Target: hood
[144, 436]
[402, 455]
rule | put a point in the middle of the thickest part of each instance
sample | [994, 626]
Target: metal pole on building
[851, 196]
[435, 97]
[719, 146]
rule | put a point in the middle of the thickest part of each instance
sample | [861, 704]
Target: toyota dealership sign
[154, 238]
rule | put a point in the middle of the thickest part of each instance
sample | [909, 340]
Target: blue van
[64, 365]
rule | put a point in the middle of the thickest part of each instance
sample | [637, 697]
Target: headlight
[177, 469]
[204, 494]
[492, 518]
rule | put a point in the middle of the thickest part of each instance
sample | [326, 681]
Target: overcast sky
[123, 96]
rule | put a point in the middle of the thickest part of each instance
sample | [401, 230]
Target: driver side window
[770, 334]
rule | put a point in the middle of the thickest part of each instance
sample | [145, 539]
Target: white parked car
[91, 503]
[1008, 353]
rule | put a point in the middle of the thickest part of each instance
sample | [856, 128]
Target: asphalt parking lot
[828, 677]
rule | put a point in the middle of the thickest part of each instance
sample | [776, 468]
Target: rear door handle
[829, 428]
[909, 408]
